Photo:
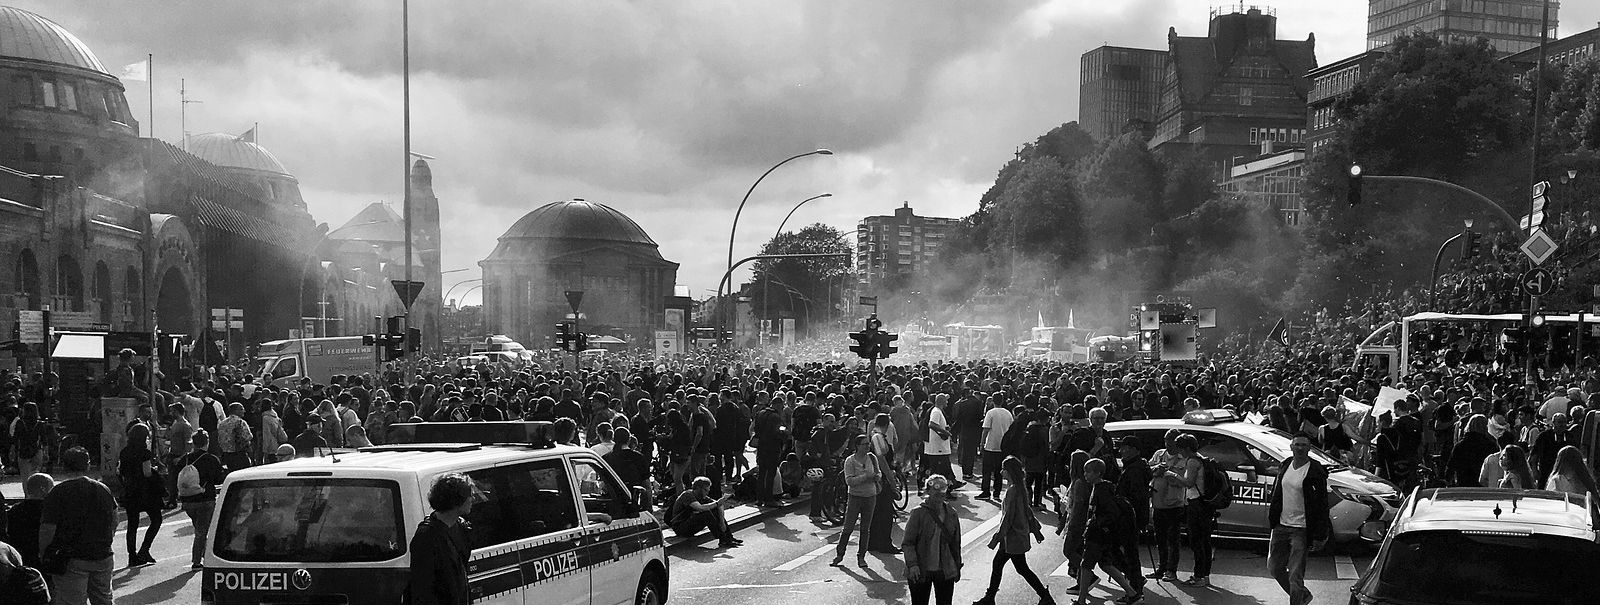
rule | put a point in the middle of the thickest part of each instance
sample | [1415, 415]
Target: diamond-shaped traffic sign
[1539, 247]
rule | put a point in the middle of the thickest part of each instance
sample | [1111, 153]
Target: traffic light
[1353, 192]
[1469, 244]
[866, 346]
[394, 343]
[727, 338]
[886, 346]
[377, 338]
[564, 336]
[582, 340]
[413, 340]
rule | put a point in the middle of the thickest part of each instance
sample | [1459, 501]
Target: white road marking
[735, 586]
[1061, 571]
[974, 534]
[1345, 568]
[806, 558]
[173, 522]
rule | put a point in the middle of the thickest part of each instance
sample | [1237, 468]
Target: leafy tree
[1121, 186]
[786, 286]
[1040, 214]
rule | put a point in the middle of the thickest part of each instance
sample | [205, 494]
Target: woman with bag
[932, 545]
[143, 491]
[883, 449]
[1010, 542]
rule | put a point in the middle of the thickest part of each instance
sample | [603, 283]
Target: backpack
[189, 480]
[1219, 486]
[1011, 442]
[1034, 440]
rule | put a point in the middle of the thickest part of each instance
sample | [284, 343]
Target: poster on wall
[675, 322]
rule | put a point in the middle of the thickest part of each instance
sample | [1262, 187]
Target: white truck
[285, 362]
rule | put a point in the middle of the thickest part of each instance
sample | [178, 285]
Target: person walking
[198, 493]
[24, 518]
[272, 433]
[440, 549]
[178, 435]
[75, 530]
[235, 438]
[932, 545]
[27, 436]
[1108, 526]
[862, 478]
[995, 424]
[1010, 543]
[1298, 517]
[1134, 484]
[936, 449]
[143, 492]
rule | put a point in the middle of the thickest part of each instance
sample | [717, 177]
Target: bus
[1426, 341]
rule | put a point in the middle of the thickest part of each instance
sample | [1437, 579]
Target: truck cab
[1376, 353]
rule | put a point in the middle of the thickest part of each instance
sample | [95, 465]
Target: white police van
[553, 524]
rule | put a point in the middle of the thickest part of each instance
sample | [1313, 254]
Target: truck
[285, 362]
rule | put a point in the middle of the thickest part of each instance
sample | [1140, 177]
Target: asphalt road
[786, 556]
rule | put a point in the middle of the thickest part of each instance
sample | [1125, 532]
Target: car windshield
[1278, 442]
[1482, 569]
[311, 520]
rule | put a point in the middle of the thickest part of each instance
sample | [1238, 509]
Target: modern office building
[897, 246]
[1235, 88]
[1119, 90]
[1512, 26]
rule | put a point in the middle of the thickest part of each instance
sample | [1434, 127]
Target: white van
[555, 526]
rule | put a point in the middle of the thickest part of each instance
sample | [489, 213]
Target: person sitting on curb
[695, 508]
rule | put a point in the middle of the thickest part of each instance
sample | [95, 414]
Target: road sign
[1539, 247]
[30, 327]
[869, 300]
[666, 342]
[407, 290]
[1538, 281]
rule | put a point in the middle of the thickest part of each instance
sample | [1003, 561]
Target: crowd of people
[1029, 434]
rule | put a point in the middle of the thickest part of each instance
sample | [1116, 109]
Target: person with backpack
[932, 545]
[197, 491]
[1034, 450]
[1107, 528]
[1298, 516]
[1199, 486]
[1134, 485]
[143, 492]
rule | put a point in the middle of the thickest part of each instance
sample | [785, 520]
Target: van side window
[521, 501]
[285, 367]
[602, 493]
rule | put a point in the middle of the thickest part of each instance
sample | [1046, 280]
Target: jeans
[1286, 558]
[967, 448]
[1202, 522]
[200, 514]
[1036, 488]
[1168, 529]
[858, 507]
[767, 461]
[132, 534]
[943, 589]
[991, 470]
[712, 520]
[85, 581]
[1018, 560]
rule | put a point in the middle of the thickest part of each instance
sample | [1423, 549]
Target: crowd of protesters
[1028, 433]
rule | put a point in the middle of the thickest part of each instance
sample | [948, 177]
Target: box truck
[285, 362]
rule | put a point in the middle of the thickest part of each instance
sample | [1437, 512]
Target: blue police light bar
[534, 433]
[1209, 416]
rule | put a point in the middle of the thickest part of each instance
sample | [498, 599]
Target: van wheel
[650, 591]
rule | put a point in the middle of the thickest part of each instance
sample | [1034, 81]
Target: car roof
[423, 460]
[1163, 424]
[1497, 510]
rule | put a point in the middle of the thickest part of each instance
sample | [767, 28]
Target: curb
[737, 522]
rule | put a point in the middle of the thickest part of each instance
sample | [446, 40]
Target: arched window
[69, 284]
[132, 294]
[28, 287]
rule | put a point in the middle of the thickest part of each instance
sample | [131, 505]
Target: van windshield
[311, 520]
[1481, 569]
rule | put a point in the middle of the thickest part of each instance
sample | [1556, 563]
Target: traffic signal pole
[1433, 279]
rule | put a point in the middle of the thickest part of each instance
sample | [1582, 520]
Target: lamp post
[1433, 279]
[735, 228]
[775, 235]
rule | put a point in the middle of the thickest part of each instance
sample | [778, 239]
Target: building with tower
[576, 245]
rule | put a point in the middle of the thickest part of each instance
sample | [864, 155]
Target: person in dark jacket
[1466, 458]
[1134, 484]
[631, 466]
[1298, 517]
[200, 506]
[440, 549]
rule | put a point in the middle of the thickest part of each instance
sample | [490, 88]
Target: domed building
[576, 245]
[247, 162]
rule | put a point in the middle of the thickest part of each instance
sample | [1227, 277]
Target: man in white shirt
[1298, 515]
[936, 451]
[995, 424]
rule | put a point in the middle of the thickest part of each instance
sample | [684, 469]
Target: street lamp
[775, 235]
[735, 228]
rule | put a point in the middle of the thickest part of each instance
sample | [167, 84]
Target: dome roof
[24, 35]
[578, 219]
[230, 151]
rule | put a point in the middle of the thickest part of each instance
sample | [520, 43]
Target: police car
[552, 524]
[1486, 546]
[1253, 455]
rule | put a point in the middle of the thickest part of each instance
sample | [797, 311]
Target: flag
[1040, 324]
[249, 136]
[1279, 333]
[1071, 324]
[136, 72]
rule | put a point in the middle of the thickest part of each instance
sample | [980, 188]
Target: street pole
[1433, 279]
[405, 163]
[775, 234]
[1533, 178]
[735, 228]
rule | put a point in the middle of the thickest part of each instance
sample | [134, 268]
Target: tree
[1121, 186]
[795, 287]
[1039, 214]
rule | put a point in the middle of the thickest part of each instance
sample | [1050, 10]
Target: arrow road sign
[1538, 281]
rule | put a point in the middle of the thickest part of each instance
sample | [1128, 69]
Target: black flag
[1279, 333]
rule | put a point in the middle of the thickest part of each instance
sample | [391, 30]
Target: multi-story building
[1274, 180]
[1329, 83]
[1512, 26]
[1237, 87]
[890, 248]
[1570, 50]
[1119, 90]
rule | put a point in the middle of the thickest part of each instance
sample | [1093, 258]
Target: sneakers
[1198, 582]
[730, 543]
[1155, 575]
[983, 495]
[987, 599]
[1171, 576]
[861, 562]
[837, 561]
[1131, 598]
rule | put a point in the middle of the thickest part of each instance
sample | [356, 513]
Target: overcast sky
[666, 111]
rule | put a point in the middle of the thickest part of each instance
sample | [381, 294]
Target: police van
[550, 524]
